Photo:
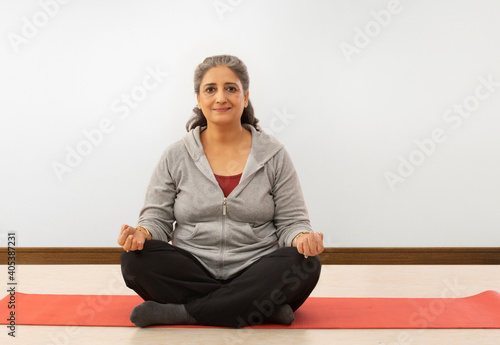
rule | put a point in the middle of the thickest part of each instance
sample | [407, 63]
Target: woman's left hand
[310, 244]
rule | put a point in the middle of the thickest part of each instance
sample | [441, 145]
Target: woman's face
[221, 96]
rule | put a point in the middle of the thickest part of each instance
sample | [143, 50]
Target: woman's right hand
[131, 239]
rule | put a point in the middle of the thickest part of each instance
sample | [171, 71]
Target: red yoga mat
[478, 311]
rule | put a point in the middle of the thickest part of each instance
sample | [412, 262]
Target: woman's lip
[221, 109]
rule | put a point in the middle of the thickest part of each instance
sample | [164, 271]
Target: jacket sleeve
[157, 214]
[290, 212]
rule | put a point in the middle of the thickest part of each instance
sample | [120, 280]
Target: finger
[320, 245]
[307, 250]
[128, 243]
[310, 245]
[140, 245]
[123, 236]
[315, 244]
[136, 244]
[133, 246]
[300, 246]
[140, 240]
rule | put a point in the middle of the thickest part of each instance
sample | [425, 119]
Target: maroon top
[227, 183]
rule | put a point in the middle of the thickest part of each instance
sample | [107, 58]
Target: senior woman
[224, 237]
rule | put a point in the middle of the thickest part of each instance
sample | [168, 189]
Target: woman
[228, 199]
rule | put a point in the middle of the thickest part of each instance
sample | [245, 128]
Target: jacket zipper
[223, 240]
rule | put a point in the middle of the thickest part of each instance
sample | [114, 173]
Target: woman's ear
[247, 96]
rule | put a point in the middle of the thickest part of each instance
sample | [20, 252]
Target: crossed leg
[269, 290]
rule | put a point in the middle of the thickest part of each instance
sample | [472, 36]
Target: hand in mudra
[310, 244]
[131, 239]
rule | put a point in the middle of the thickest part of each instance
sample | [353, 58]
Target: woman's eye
[231, 89]
[210, 89]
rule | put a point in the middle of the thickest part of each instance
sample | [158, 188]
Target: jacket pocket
[185, 232]
[265, 231]
[200, 235]
[245, 234]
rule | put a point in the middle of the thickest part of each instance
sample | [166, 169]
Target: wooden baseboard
[331, 256]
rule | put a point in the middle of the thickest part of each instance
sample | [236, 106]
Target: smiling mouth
[221, 110]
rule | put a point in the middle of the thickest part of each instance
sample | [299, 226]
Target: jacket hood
[264, 147]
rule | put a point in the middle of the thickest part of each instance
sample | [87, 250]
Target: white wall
[349, 108]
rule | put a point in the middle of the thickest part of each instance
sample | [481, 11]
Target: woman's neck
[218, 136]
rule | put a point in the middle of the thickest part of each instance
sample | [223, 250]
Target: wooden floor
[336, 281]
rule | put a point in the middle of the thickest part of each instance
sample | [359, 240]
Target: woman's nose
[220, 97]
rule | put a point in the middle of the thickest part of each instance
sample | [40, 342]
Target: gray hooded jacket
[185, 204]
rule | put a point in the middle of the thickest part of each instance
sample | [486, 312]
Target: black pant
[167, 274]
